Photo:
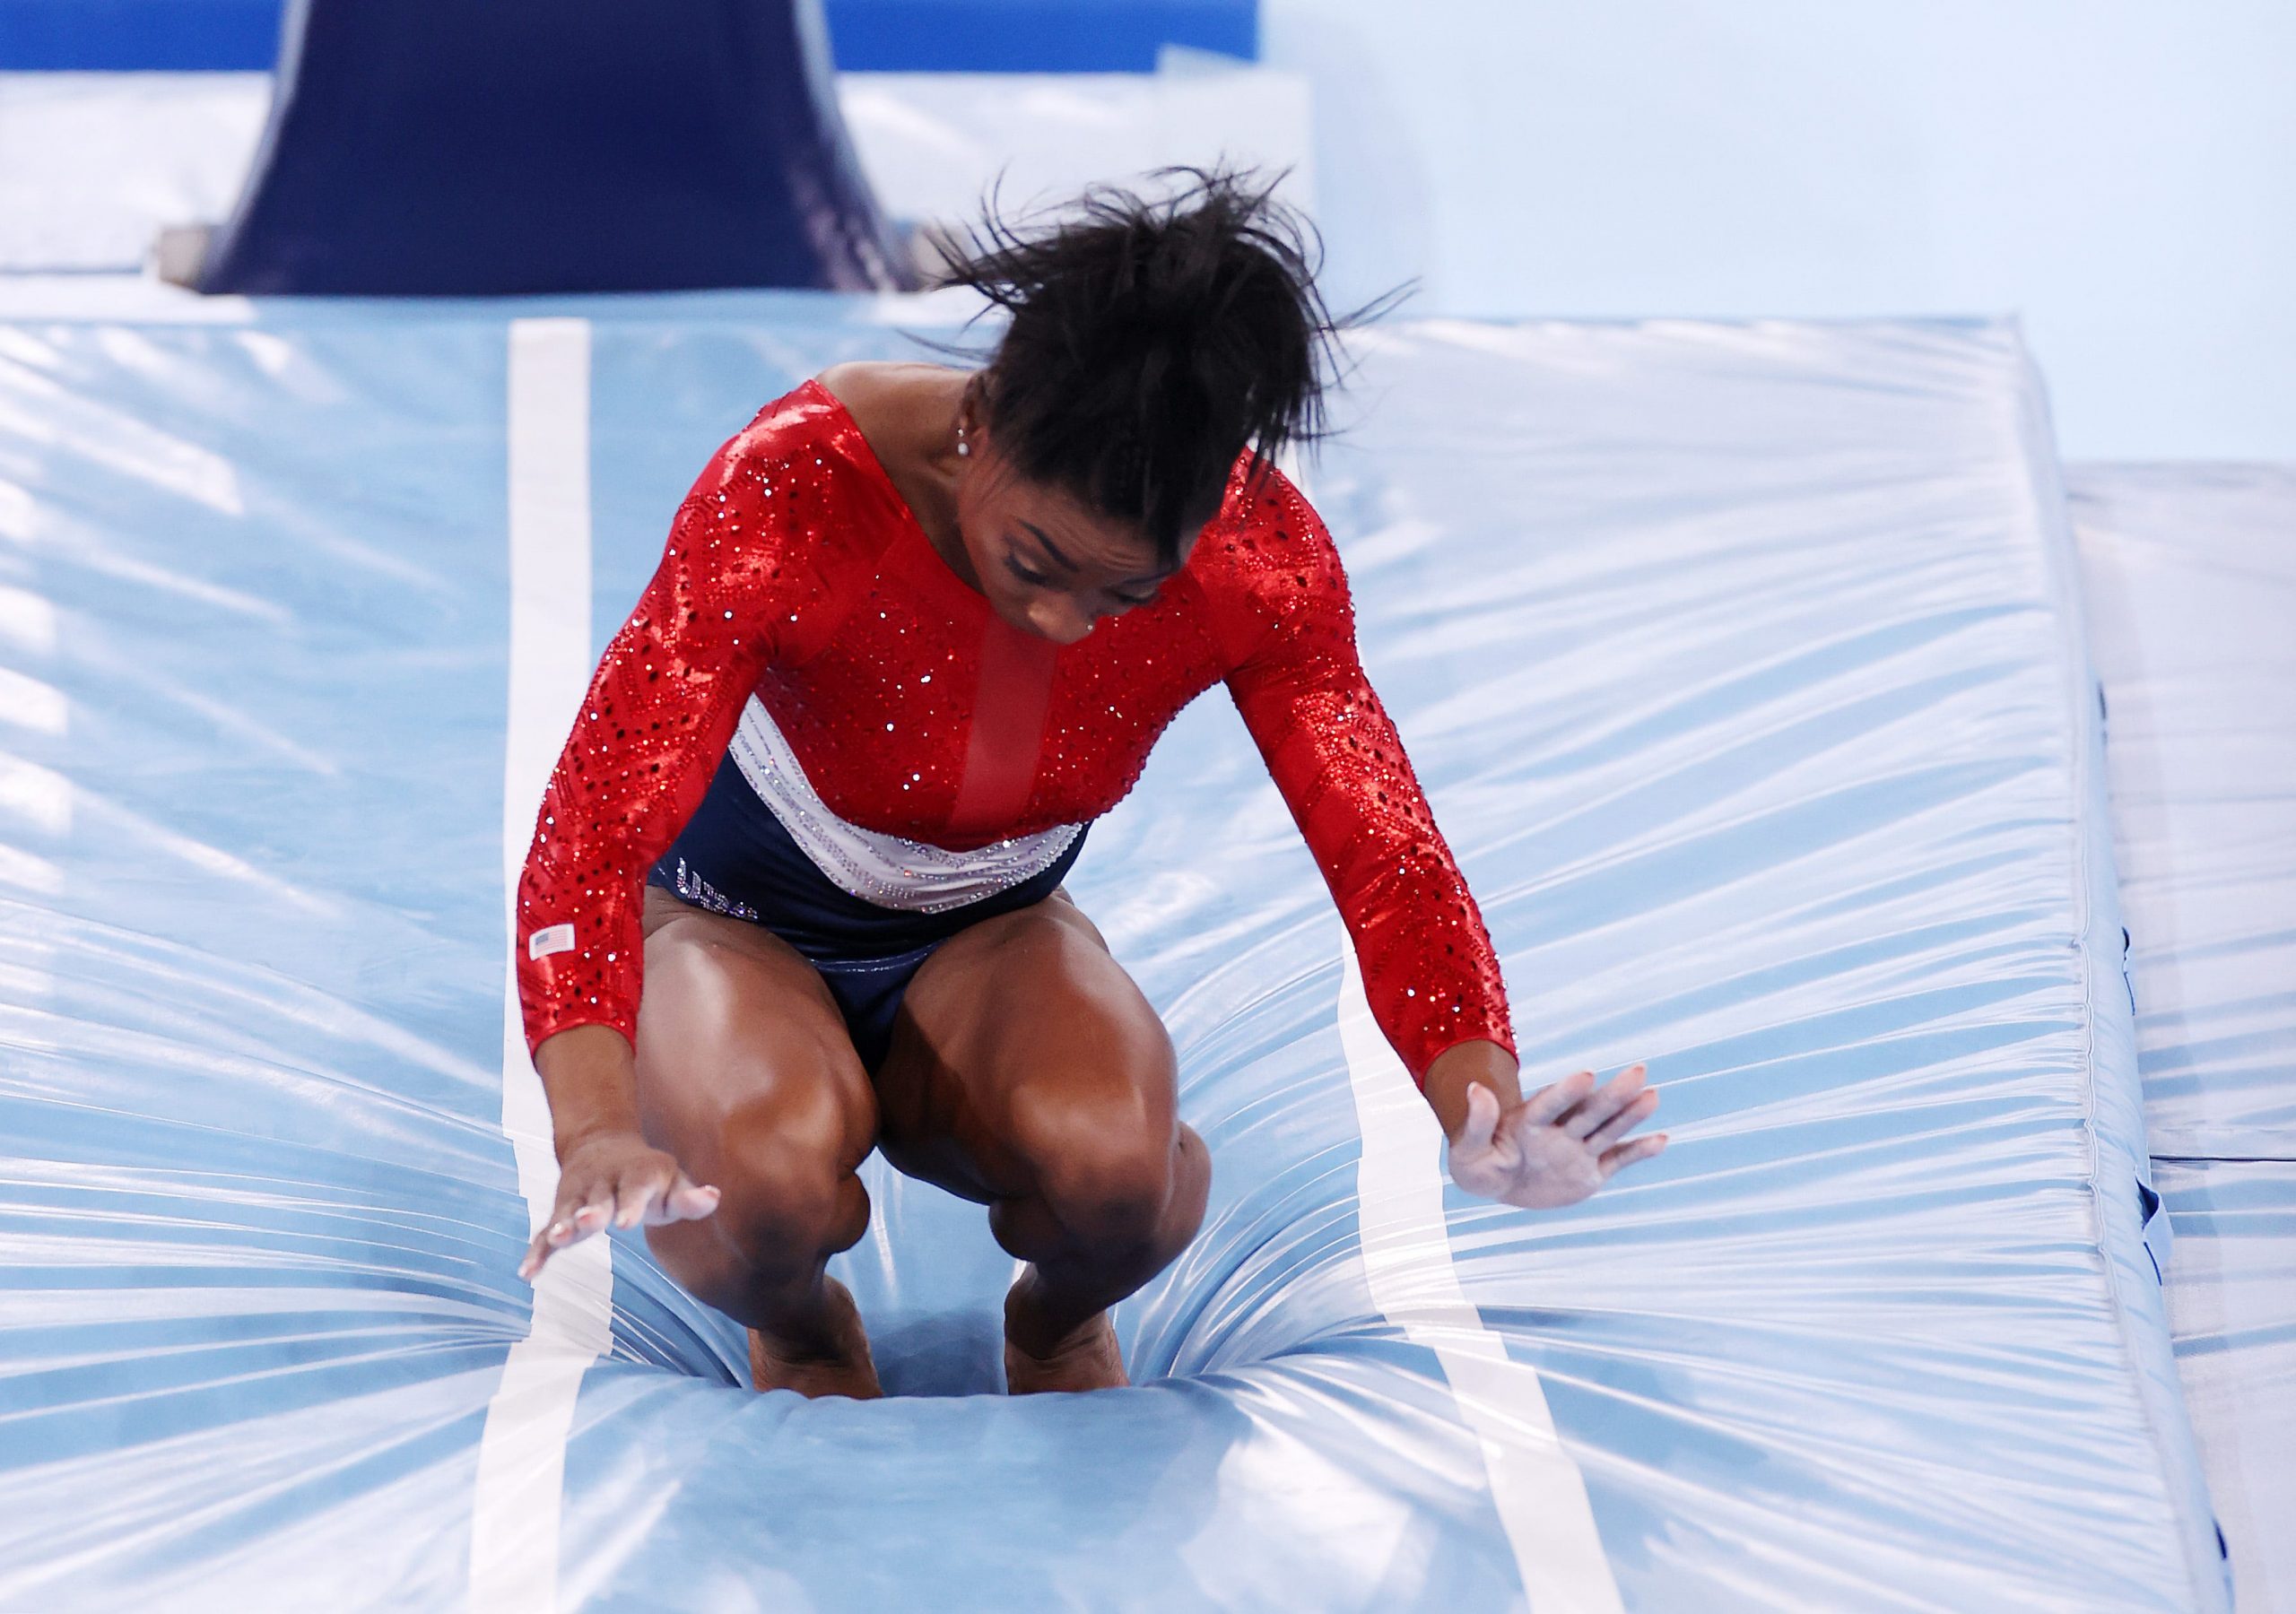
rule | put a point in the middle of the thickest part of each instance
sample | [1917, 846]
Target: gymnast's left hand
[1557, 1146]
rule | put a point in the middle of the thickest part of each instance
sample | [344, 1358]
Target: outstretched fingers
[594, 1210]
[538, 1250]
[633, 1191]
[1616, 1160]
[647, 1190]
[660, 1194]
[1543, 1107]
[1600, 1106]
[1638, 1109]
[564, 1227]
[686, 1200]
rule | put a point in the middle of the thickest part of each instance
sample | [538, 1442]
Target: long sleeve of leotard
[1429, 971]
[660, 711]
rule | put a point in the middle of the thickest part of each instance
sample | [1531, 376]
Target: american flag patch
[551, 939]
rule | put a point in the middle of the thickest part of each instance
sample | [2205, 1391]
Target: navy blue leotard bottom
[734, 857]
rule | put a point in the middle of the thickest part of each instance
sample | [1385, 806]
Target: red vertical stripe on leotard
[1007, 729]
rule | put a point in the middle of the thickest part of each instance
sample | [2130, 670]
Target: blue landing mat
[1743, 666]
[2189, 574]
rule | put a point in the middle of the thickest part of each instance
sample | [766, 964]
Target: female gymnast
[915, 628]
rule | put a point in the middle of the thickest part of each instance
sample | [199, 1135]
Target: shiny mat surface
[2190, 577]
[2232, 1303]
[1743, 667]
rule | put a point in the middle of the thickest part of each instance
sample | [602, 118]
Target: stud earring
[964, 449]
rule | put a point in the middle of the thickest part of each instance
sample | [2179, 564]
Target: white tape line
[522, 1453]
[1536, 1485]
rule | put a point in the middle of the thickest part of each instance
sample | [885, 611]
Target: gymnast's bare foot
[839, 1364]
[1085, 1358]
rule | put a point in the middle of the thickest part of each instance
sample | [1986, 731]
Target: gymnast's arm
[1429, 970]
[659, 712]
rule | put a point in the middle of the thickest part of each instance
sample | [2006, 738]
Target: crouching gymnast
[915, 628]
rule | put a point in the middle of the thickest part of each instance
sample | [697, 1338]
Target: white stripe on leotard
[887, 870]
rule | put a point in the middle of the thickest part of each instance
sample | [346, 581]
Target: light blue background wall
[2121, 173]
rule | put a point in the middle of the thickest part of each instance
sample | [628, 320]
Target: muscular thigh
[737, 1035]
[1021, 1036]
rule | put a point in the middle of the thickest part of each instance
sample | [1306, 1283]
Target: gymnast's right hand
[615, 1175]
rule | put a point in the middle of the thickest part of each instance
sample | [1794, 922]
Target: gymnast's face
[1048, 564]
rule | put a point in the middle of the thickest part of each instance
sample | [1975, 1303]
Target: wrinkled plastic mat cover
[2190, 579]
[1739, 662]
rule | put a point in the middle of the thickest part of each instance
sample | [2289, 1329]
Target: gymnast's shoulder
[1268, 539]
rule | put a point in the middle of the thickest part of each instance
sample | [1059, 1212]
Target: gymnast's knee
[1126, 1191]
[788, 1201]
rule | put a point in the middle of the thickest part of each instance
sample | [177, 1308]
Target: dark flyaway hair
[1152, 340]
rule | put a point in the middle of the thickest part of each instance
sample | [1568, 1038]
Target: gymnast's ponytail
[1151, 342]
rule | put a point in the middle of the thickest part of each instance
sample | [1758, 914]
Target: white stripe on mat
[1536, 1485]
[522, 1453]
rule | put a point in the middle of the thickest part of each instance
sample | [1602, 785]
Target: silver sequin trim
[699, 891]
[888, 870]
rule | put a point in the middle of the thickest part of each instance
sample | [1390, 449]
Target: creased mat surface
[2232, 1301]
[1740, 665]
[2190, 573]
[2190, 576]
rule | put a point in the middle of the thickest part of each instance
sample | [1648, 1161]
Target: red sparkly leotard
[795, 572]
